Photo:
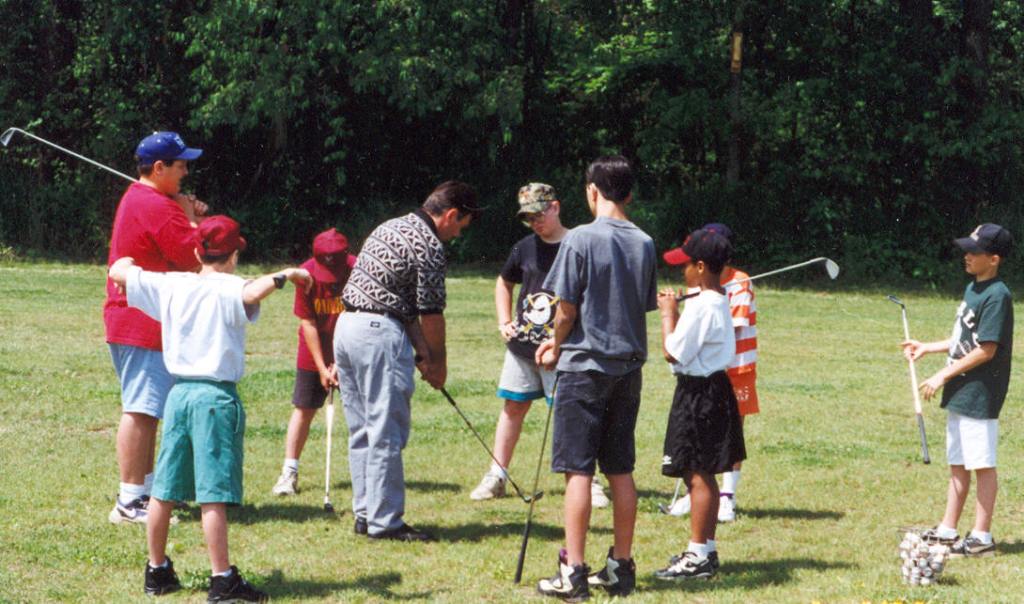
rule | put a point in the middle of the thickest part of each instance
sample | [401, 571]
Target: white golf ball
[937, 567]
[904, 555]
[904, 571]
[910, 536]
[926, 572]
[926, 581]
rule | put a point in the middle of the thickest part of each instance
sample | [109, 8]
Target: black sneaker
[931, 536]
[361, 526]
[404, 533]
[570, 584]
[162, 580]
[972, 547]
[233, 588]
[687, 566]
[618, 577]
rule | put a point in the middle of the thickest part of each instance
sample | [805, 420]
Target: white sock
[130, 491]
[147, 482]
[712, 545]
[498, 471]
[985, 538]
[730, 482]
[701, 549]
[945, 532]
[226, 573]
[291, 464]
[164, 565]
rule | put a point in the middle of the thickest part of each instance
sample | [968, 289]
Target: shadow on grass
[269, 512]
[380, 586]
[474, 532]
[791, 513]
[748, 574]
[1009, 547]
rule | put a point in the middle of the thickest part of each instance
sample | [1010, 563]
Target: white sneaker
[135, 511]
[726, 508]
[681, 507]
[490, 487]
[287, 483]
[597, 497]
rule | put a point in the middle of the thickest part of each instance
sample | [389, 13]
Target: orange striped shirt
[744, 320]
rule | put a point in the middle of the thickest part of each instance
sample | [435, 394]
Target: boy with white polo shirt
[974, 381]
[203, 317]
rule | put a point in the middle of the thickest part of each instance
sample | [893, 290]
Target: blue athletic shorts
[144, 379]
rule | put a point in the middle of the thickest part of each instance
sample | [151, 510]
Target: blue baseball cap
[164, 146]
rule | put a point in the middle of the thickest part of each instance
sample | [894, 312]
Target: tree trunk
[732, 173]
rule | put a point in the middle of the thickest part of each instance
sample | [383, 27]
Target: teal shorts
[201, 450]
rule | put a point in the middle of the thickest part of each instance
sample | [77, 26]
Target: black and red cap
[702, 244]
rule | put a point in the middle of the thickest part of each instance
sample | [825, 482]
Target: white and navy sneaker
[491, 486]
[597, 497]
[135, 511]
[618, 577]
[688, 565]
[931, 536]
[287, 483]
[972, 547]
[570, 584]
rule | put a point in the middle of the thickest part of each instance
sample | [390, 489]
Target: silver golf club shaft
[5, 138]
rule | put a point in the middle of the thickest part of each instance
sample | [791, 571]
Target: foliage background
[868, 131]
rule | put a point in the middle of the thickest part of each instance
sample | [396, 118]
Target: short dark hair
[613, 177]
[452, 194]
[146, 165]
[215, 259]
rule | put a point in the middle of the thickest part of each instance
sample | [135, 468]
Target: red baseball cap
[220, 236]
[335, 245]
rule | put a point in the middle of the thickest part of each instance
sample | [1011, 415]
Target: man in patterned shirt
[394, 301]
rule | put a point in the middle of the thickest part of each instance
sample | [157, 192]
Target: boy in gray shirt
[604, 276]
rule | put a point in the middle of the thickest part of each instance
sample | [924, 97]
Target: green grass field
[833, 470]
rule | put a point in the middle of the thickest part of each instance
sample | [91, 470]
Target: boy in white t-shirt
[704, 436]
[203, 317]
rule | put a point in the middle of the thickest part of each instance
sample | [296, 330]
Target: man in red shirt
[156, 225]
[317, 310]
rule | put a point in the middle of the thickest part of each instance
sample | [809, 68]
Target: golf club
[536, 479]
[329, 411]
[913, 383]
[830, 267]
[5, 139]
[667, 509]
[525, 498]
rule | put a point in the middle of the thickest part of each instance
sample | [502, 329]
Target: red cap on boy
[220, 236]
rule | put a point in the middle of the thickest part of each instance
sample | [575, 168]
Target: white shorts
[523, 381]
[970, 442]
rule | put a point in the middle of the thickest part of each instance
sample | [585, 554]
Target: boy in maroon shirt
[318, 311]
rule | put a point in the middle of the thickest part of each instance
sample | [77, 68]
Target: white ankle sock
[291, 464]
[226, 573]
[985, 538]
[130, 491]
[712, 545]
[730, 482]
[164, 565]
[945, 532]
[701, 549]
[498, 471]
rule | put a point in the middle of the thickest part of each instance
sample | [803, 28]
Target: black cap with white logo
[988, 238]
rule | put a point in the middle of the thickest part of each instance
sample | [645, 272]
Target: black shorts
[704, 432]
[308, 393]
[595, 416]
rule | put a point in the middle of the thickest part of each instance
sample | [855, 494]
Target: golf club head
[831, 268]
[328, 507]
[536, 496]
[6, 136]
[896, 300]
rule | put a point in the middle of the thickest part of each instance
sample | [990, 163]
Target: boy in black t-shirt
[975, 380]
[532, 321]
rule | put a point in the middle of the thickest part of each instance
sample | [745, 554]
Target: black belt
[386, 313]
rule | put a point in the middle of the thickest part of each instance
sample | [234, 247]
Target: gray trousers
[375, 374]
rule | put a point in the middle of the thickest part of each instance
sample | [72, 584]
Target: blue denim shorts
[144, 379]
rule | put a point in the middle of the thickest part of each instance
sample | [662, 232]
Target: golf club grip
[522, 549]
[924, 440]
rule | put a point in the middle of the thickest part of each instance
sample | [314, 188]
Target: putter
[526, 498]
[913, 383]
[329, 411]
[831, 268]
[667, 509]
[536, 479]
[5, 139]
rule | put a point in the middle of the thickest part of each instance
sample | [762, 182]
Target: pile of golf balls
[921, 563]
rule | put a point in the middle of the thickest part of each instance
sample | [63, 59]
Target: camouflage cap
[535, 197]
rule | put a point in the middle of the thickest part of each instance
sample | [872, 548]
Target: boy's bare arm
[118, 272]
[669, 309]
[549, 350]
[261, 287]
[979, 356]
[503, 304]
[311, 336]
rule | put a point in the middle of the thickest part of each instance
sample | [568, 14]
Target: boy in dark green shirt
[975, 380]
